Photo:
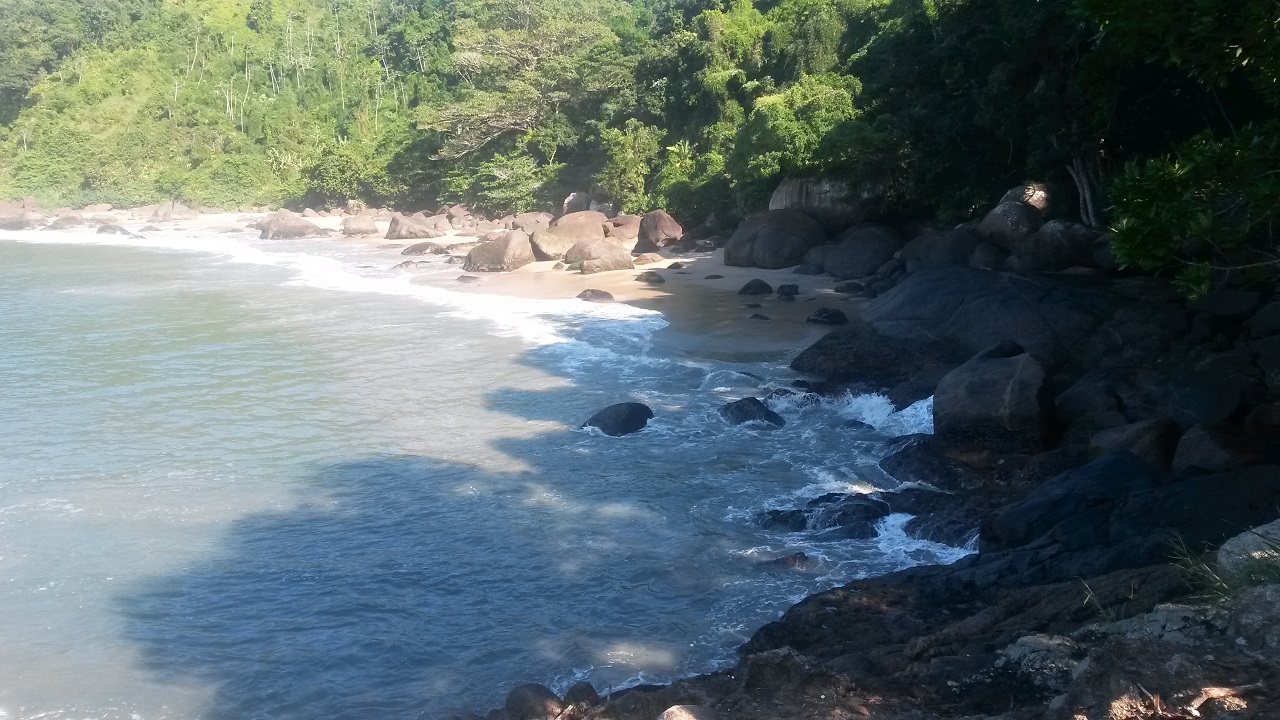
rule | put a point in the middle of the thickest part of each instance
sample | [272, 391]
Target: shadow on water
[410, 586]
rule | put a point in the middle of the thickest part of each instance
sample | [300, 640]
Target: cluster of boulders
[868, 259]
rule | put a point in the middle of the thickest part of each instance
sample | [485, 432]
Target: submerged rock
[621, 419]
[532, 702]
[595, 296]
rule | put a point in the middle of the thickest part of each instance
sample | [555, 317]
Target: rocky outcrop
[425, 248]
[503, 254]
[531, 222]
[553, 242]
[1057, 245]
[774, 240]
[21, 220]
[1009, 223]
[621, 419]
[829, 201]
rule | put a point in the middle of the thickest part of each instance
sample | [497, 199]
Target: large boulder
[21, 221]
[67, 222]
[531, 222]
[599, 256]
[532, 702]
[858, 353]
[620, 419]
[1035, 194]
[996, 401]
[827, 200]
[425, 248]
[503, 254]
[553, 242]
[404, 227]
[950, 249]
[861, 251]
[576, 202]
[1057, 245]
[1010, 222]
[359, 226]
[657, 230]
[285, 224]
[978, 309]
[624, 227]
[1152, 441]
[773, 240]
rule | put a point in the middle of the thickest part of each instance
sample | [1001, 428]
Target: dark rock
[595, 296]
[861, 251]
[750, 409]
[977, 310]
[112, 229]
[851, 287]
[467, 279]
[951, 249]
[789, 520]
[576, 202]
[658, 230]
[677, 266]
[1152, 441]
[988, 257]
[1010, 222]
[826, 199]
[757, 316]
[651, 278]
[947, 518]
[1056, 246]
[559, 266]
[773, 240]
[1215, 448]
[407, 265]
[1226, 303]
[507, 253]
[424, 248]
[67, 221]
[753, 306]
[996, 401]
[788, 290]
[1266, 321]
[621, 419]
[582, 694]
[919, 458]
[756, 287]
[594, 256]
[828, 316]
[795, 561]
[856, 352]
[714, 277]
[532, 702]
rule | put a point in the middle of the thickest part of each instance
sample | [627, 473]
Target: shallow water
[244, 478]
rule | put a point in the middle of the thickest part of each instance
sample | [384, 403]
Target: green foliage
[783, 134]
[1212, 207]
[512, 182]
[633, 153]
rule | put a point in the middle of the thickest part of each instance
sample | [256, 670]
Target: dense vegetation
[1153, 118]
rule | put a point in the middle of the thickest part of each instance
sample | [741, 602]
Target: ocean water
[245, 478]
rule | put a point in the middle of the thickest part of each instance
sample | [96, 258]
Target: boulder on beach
[861, 251]
[657, 230]
[595, 296]
[750, 409]
[773, 240]
[1009, 222]
[21, 221]
[68, 221]
[828, 316]
[285, 224]
[406, 228]
[503, 254]
[756, 287]
[625, 228]
[359, 226]
[424, 248]
[601, 255]
[112, 229]
[650, 277]
[620, 419]
[648, 258]
[531, 222]
[553, 242]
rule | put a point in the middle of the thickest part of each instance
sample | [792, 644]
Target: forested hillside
[929, 107]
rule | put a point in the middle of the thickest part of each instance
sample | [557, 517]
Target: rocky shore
[1097, 437]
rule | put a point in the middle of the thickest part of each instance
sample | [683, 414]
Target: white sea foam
[537, 322]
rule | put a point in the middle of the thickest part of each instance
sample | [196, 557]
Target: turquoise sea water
[244, 478]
